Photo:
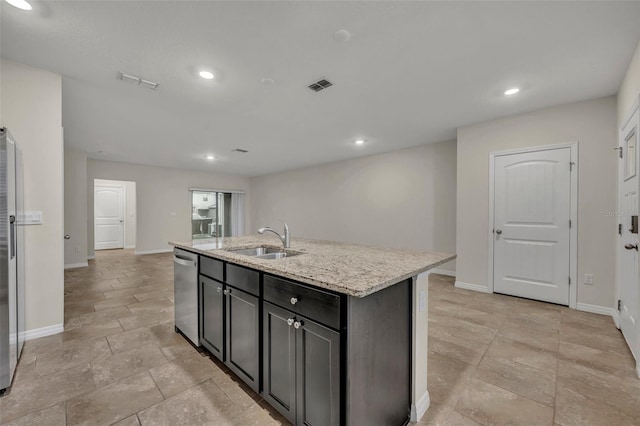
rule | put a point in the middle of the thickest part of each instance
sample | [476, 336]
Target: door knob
[294, 300]
[631, 247]
[499, 231]
[290, 321]
[298, 324]
[67, 237]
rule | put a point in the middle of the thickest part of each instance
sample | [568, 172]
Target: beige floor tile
[461, 329]
[204, 404]
[545, 339]
[151, 306]
[175, 376]
[147, 320]
[127, 363]
[53, 415]
[114, 302]
[609, 362]
[459, 349]
[523, 353]
[92, 331]
[491, 405]
[445, 418]
[30, 395]
[97, 318]
[114, 402]
[610, 342]
[538, 385]
[129, 421]
[162, 335]
[447, 378]
[73, 354]
[574, 409]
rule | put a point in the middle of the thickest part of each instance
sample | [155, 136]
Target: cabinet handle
[298, 324]
[219, 289]
[290, 321]
[227, 292]
[294, 300]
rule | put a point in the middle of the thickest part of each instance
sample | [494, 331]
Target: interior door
[532, 209]
[628, 253]
[109, 217]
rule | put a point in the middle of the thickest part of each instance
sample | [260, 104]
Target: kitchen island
[331, 334]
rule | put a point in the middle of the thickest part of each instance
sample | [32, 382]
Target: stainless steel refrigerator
[12, 319]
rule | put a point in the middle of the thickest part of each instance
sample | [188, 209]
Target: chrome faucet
[284, 238]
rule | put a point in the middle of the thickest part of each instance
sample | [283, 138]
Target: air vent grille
[138, 80]
[240, 150]
[320, 85]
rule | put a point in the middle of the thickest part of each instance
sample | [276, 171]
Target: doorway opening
[114, 214]
[216, 214]
[533, 223]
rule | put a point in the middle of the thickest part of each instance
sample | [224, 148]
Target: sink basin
[256, 251]
[263, 252]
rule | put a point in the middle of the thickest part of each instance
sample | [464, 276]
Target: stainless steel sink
[264, 252]
[255, 251]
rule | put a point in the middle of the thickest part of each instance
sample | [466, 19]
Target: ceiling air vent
[240, 150]
[138, 80]
[320, 85]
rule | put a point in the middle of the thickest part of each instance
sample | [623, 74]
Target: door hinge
[569, 280]
[569, 223]
[619, 304]
[619, 229]
[571, 163]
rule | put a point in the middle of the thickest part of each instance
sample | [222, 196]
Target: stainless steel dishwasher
[185, 287]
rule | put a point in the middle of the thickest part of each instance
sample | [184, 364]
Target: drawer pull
[290, 322]
[227, 292]
[294, 300]
[298, 324]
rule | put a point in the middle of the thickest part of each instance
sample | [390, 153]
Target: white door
[109, 217]
[532, 209]
[628, 252]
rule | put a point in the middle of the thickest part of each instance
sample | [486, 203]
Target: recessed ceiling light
[206, 75]
[342, 36]
[267, 81]
[20, 4]
[511, 91]
[209, 157]
[359, 142]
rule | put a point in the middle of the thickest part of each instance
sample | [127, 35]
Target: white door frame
[573, 231]
[124, 209]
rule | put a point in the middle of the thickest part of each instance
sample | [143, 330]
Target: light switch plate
[588, 279]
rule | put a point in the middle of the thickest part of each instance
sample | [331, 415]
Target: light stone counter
[351, 269]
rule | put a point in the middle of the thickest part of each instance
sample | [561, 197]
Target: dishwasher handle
[183, 261]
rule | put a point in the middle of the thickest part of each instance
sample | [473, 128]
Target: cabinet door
[279, 375]
[212, 321]
[243, 323]
[317, 374]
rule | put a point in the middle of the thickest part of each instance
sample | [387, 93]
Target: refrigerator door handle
[12, 231]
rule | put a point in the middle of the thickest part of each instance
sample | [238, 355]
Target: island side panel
[378, 386]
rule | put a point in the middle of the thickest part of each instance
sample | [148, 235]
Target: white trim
[573, 232]
[616, 318]
[130, 247]
[418, 409]
[93, 256]
[443, 272]
[43, 331]
[167, 250]
[76, 265]
[473, 287]
[596, 309]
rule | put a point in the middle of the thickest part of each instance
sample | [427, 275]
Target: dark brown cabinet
[301, 367]
[212, 318]
[243, 335]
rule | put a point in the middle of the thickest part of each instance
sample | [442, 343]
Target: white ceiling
[411, 74]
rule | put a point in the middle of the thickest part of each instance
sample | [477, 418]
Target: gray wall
[163, 199]
[630, 87]
[32, 111]
[75, 208]
[593, 125]
[402, 199]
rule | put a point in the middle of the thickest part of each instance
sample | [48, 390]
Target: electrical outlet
[588, 279]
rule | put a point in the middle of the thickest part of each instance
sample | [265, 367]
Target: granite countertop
[353, 269]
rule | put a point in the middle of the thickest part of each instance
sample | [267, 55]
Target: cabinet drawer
[314, 304]
[212, 268]
[244, 279]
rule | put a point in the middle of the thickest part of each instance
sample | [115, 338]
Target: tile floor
[493, 360]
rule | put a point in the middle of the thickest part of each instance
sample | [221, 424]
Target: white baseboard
[44, 331]
[443, 272]
[129, 247]
[76, 265]
[421, 407]
[595, 309]
[474, 287]
[616, 318]
[167, 250]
